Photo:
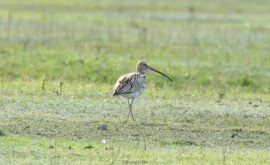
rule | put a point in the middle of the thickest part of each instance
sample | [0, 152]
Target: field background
[60, 59]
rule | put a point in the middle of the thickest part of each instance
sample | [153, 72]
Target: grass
[60, 59]
[199, 46]
[190, 131]
[116, 153]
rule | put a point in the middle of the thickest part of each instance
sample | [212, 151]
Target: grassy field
[60, 59]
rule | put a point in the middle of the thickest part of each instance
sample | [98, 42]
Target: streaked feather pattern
[130, 85]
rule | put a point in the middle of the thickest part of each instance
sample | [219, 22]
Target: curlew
[132, 85]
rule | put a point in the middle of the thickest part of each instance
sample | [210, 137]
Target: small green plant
[2, 133]
[246, 81]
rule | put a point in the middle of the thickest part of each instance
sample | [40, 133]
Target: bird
[132, 85]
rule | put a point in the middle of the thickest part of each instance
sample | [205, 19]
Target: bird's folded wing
[126, 84]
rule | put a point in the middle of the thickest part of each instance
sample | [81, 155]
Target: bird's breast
[142, 80]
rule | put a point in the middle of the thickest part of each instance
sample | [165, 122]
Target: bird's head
[142, 67]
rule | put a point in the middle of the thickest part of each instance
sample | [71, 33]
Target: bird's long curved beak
[154, 70]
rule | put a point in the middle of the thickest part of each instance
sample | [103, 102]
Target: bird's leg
[128, 111]
[130, 108]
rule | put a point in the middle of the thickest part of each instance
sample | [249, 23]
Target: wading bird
[132, 85]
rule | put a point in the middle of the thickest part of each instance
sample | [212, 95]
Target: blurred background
[215, 47]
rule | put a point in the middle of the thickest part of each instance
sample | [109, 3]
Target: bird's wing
[126, 84]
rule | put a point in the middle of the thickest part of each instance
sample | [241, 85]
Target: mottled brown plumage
[132, 85]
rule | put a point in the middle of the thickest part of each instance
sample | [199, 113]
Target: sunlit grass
[46, 151]
[197, 49]
[60, 59]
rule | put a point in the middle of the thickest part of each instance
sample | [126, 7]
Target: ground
[60, 59]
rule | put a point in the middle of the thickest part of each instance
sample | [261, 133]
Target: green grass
[66, 152]
[202, 45]
[215, 112]
[189, 130]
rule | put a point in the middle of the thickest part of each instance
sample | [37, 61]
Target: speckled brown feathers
[130, 85]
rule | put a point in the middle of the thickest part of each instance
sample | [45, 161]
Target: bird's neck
[141, 71]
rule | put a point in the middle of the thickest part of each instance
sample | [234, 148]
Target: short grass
[215, 112]
[203, 45]
[42, 127]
